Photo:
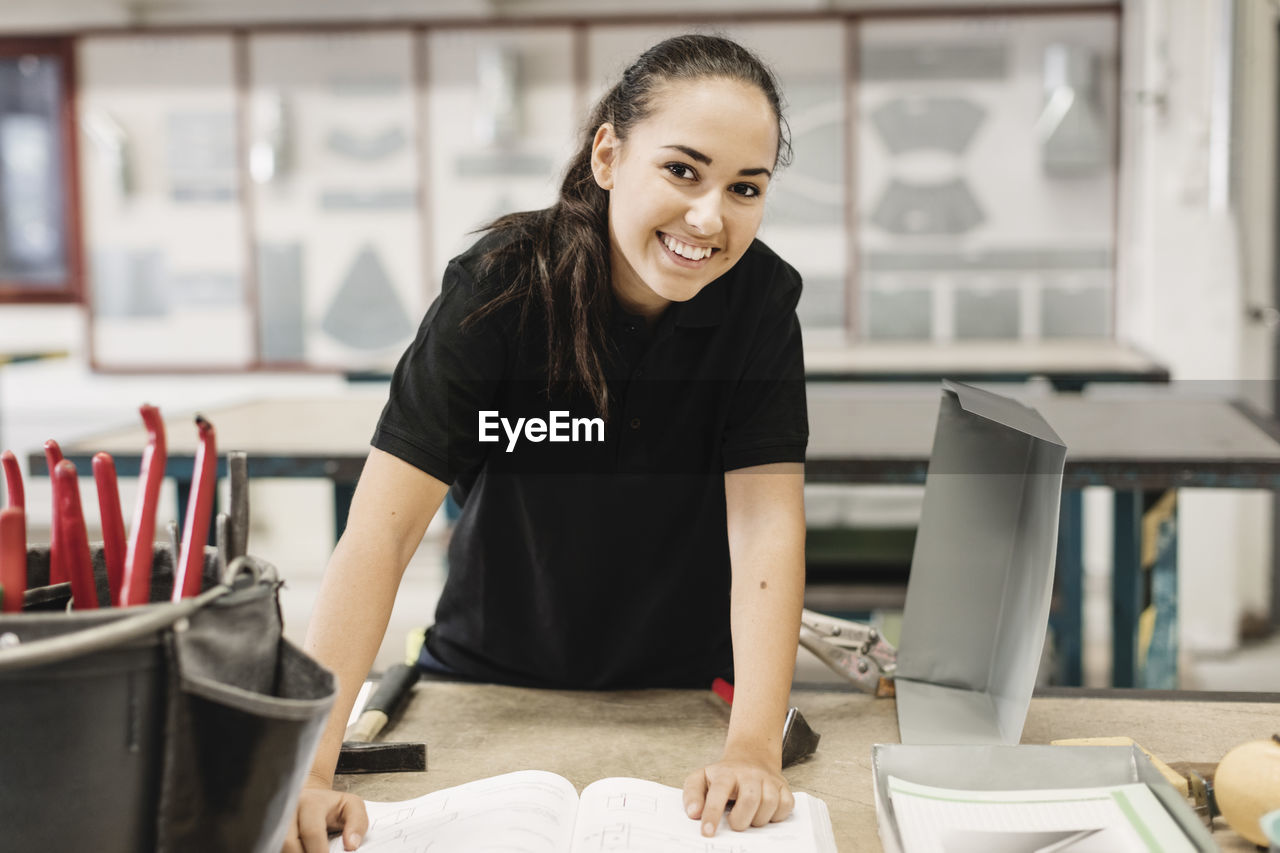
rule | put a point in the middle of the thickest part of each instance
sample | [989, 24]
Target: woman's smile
[687, 255]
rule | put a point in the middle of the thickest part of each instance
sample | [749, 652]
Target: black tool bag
[185, 726]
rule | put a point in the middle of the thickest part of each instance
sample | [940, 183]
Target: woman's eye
[745, 190]
[680, 170]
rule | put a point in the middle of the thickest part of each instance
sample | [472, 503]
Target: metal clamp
[854, 650]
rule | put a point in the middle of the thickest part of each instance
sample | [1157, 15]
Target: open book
[533, 811]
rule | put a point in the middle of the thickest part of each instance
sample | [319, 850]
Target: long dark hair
[558, 258]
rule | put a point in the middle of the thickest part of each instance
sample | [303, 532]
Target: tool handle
[73, 538]
[13, 558]
[393, 689]
[57, 571]
[238, 525]
[13, 480]
[367, 727]
[114, 545]
[137, 566]
[195, 533]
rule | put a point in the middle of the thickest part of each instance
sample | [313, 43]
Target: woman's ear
[604, 154]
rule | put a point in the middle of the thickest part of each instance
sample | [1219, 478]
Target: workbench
[1067, 365]
[1144, 447]
[474, 731]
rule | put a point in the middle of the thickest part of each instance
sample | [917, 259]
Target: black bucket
[186, 726]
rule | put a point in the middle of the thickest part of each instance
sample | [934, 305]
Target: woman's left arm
[765, 509]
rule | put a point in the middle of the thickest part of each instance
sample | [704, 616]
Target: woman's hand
[322, 810]
[754, 784]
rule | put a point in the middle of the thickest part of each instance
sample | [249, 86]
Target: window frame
[72, 287]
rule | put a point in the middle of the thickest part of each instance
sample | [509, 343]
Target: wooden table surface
[475, 731]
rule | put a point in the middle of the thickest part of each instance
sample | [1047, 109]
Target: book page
[1109, 819]
[530, 811]
[638, 816]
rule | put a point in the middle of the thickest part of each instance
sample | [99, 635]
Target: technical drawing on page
[638, 816]
[529, 812]
[632, 802]
[635, 839]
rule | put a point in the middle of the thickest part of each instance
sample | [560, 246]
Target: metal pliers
[854, 650]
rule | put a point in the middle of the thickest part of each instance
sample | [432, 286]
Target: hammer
[359, 753]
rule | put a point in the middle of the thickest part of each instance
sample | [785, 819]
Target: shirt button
[635, 423]
[639, 372]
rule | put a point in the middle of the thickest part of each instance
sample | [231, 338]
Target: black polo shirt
[597, 563]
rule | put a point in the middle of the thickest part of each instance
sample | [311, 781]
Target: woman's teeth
[693, 253]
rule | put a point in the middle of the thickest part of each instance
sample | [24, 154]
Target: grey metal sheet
[982, 572]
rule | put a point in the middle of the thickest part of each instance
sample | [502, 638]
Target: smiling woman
[667, 554]
[683, 212]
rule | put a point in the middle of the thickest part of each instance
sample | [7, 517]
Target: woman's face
[686, 189]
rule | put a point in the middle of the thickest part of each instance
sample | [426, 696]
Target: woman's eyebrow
[695, 154]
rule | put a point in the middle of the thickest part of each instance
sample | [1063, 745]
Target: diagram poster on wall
[333, 153]
[163, 224]
[986, 163]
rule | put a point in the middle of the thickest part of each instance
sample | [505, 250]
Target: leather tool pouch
[186, 726]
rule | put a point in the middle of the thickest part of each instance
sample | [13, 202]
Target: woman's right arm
[393, 504]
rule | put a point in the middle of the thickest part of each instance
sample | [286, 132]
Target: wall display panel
[333, 157]
[163, 222]
[502, 122]
[805, 219]
[986, 176]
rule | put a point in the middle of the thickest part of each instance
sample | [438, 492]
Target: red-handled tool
[13, 558]
[57, 572]
[114, 545]
[13, 480]
[52, 454]
[72, 536]
[195, 532]
[137, 562]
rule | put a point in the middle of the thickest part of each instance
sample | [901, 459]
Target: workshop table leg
[1066, 619]
[1144, 614]
[1126, 586]
[183, 485]
[1158, 624]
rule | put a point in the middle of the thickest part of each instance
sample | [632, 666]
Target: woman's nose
[704, 214]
